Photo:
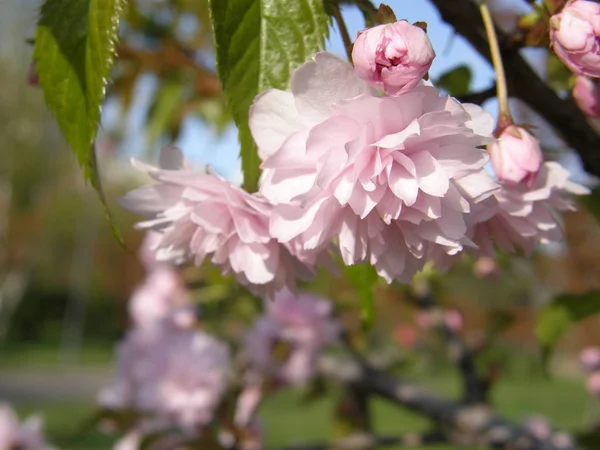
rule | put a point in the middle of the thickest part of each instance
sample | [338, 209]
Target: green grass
[287, 419]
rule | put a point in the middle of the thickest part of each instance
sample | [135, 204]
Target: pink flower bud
[516, 156]
[587, 96]
[593, 383]
[590, 359]
[574, 35]
[394, 56]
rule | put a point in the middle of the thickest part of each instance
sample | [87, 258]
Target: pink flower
[593, 383]
[385, 177]
[162, 300]
[394, 56]
[286, 342]
[516, 156]
[587, 96]
[574, 34]
[453, 320]
[202, 215]
[14, 435]
[590, 359]
[522, 217]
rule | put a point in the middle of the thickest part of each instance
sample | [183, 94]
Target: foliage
[560, 314]
[74, 52]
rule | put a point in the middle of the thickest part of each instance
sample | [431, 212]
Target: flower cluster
[394, 180]
[171, 374]
[22, 436]
[285, 343]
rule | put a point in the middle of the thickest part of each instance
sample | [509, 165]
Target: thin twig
[525, 84]
[501, 90]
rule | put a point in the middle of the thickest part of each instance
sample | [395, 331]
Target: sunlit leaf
[74, 52]
[258, 44]
[565, 310]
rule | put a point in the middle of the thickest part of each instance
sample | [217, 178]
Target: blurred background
[64, 280]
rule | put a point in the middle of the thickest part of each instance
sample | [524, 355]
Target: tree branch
[360, 442]
[474, 425]
[478, 97]
[524, 83]
[475, 387]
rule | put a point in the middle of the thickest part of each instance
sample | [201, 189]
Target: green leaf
[559, 76]
[456, 81]
[74, 51]
[565, 310]
[363, 278]
[258, 45]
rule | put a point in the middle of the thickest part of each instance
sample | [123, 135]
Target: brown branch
[478, 97]
[525, 84]
[361, 442]
[467, 425]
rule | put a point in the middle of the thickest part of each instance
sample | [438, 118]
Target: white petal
[321, 84]
[273, 117]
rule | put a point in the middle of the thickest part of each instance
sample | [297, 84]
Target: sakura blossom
[23, 436]
[200, 215]
[385, 177]
[394, 57]
[300, 326]
[574, 35]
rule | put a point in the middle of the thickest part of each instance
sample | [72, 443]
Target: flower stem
[343, 31]
[501, 91]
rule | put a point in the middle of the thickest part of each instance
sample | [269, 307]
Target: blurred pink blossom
[394, 57]
[386, 177]
[22, 436]
[177, 376]
[201, 215]
[590, 359]
[593, 383]
[162, 300]
[302, 326]
[516, 156]
[453, 320]
[486, 267]
[539, 427]
[575, 33]
[586, 94]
